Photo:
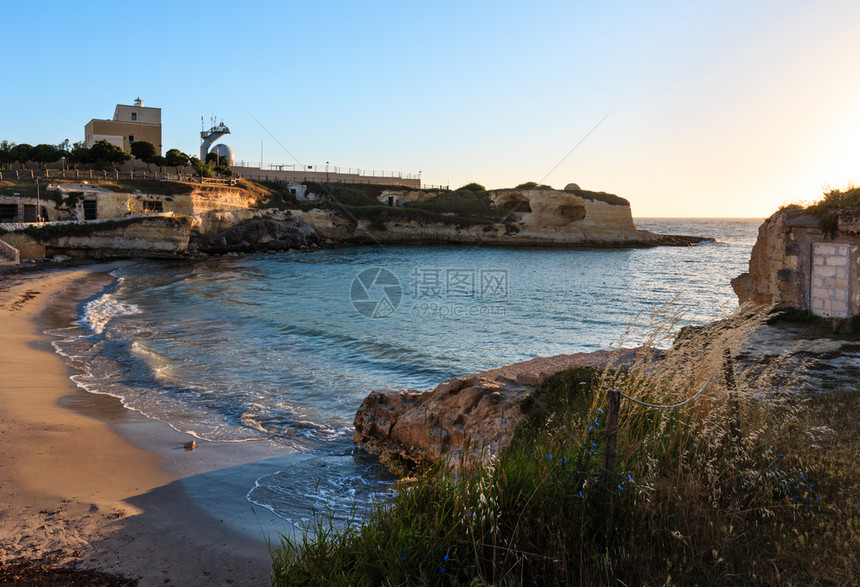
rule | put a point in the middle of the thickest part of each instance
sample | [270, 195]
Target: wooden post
[734, 406]
[613, 405]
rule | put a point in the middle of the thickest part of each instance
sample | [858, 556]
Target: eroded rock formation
[259, 234]
[796, 263]
[533, 217]
[461, 423]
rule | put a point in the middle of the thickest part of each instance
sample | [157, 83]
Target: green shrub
[472, 187]
[462, 202]
[533, 185]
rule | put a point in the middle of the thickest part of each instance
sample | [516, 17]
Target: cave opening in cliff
[572, 212]
[514, 203]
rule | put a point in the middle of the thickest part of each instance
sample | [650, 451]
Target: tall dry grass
[691, 503]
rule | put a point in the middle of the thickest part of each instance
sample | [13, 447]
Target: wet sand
[85, 481]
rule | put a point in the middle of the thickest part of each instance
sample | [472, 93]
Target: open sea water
[283, 348]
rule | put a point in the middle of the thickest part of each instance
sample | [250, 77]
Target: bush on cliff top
[463, 202]
[690, 505]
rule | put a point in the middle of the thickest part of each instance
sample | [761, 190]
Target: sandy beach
[84, 481]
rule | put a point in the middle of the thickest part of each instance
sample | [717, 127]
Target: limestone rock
[462, 423]
[542, 217]
[259, 234]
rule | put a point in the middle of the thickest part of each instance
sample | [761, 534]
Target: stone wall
[830, 290]
[27, 246]
[794, 263]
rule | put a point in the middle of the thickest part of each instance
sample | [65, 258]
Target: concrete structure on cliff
[795, 263]
[129, 124]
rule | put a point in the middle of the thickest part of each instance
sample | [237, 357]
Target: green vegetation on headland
[831, 206]
[467, 205]
[692, 502]
[359, 202]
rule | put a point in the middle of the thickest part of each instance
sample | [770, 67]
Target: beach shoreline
[91, 484]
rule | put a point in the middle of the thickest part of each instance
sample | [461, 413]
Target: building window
[130, 139]
[153, 206]
[91, 210]
[134, 115]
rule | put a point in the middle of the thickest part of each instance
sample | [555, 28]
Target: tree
[176, 158]
[533, 185]
[22, 152]
[143, 150]
[6, 155]
[217, 160]
[44, 154]
[472, 187]
[158, 160]
[104, 153]
[79, 155]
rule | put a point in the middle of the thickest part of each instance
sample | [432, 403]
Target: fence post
[734, 406]
[613, 405]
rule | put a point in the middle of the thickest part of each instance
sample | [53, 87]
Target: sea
[282, 348]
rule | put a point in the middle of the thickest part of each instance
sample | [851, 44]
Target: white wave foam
[99, 312]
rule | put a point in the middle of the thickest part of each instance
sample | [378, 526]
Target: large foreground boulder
[462, 423]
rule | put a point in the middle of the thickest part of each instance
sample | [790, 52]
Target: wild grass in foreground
[779, 505]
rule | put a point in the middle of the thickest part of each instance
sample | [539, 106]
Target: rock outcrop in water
[461, 423]
[531, 217]
[259, 234]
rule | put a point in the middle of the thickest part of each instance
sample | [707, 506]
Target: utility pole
[38, 203]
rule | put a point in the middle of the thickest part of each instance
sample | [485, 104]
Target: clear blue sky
[714, 109]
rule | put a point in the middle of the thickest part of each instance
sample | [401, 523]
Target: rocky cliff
[531, 217]
[142, 236]
[258, 234]
[167, 235]
[464, 422]
[795, 262]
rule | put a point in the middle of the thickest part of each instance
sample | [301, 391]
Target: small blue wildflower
[780, 454]
[564, 462]
[442, 570]
[818, 498]
[403, 558]
[549, 457]
[596, 423]
[629, 478]
[471, 514]
[619, 487]
[446, 557]
[580, 495]
[591, 427]
[594, 445]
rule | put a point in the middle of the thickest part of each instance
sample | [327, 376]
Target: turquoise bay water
[280, 347]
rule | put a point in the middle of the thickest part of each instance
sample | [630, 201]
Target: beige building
[129, 124]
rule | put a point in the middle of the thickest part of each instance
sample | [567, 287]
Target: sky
[687, 109]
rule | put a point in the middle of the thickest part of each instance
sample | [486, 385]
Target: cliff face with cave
[533, 217]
